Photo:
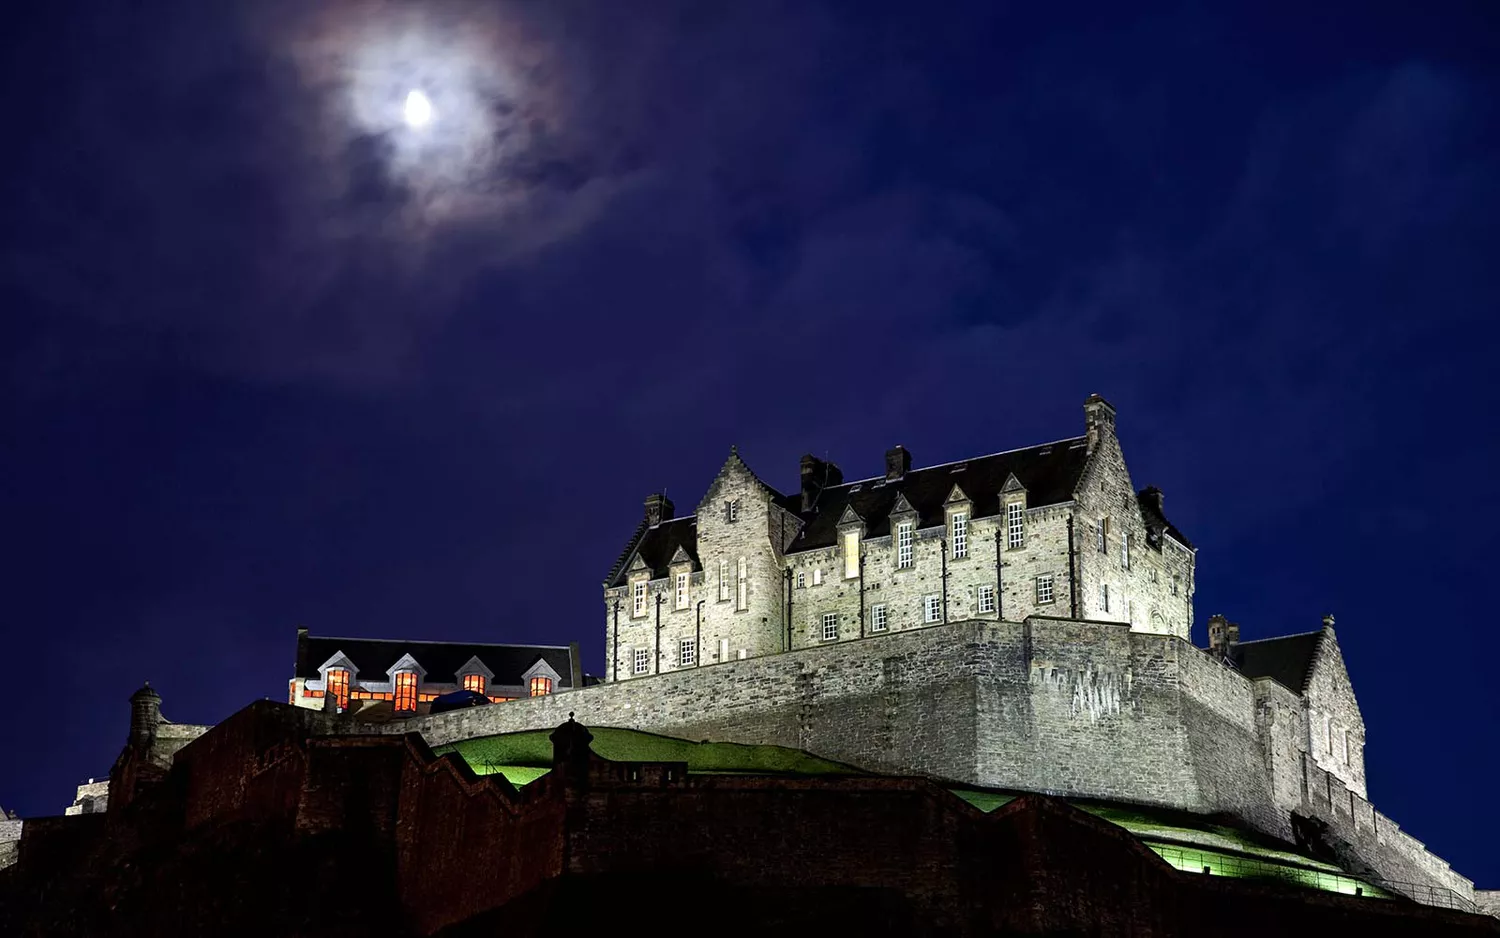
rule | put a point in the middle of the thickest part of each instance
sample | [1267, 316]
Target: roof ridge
[1278, 638]
[630, 545]
[954, 462]
[428, 641]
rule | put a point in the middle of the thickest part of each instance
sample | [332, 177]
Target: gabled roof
[1286, 660]
[1049, 473]
[373, 657]
[656, 546]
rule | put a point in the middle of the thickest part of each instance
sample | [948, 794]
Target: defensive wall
[1072, 708]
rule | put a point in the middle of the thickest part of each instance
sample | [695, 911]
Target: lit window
[638, 599]
[1125, 551]
[687, 653]
[474, 682]
[960, 526]
[903, 545]
[723, 581]
[682, 590]
[851, 554]
[830, 627]
[406, 690]
[732, 510]
[642, 660]
[1101, 535]
[338, 686]
[1015, 525]
[1104, 596]
[817, 576]
[986, 598]
[932, 608]
[1044, 588]
[878, 620]
[541, 686]
[743, 588]
[801, 580]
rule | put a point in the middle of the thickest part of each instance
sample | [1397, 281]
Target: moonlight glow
[418, 109]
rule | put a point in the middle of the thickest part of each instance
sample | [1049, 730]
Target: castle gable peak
[957, 496]
[681, 556]
[1012, 484]
[850, 516]
[902, 506]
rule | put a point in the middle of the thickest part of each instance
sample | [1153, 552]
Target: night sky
[271, 357]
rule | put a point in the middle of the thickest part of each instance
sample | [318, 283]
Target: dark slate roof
[1049, 473]
[1286, 660]
[373, 657]
[656, 546]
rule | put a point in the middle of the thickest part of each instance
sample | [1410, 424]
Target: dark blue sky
[272, 359]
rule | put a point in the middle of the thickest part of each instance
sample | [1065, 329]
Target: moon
[418, 109]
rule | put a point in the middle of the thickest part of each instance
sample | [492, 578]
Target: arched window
[541, 686]
[406, 691]
[338, 686]
[474, 682]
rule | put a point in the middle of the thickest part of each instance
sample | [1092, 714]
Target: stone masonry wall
[1336, 727]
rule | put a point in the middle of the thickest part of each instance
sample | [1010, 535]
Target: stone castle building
[1051, 530]
[1011, 623]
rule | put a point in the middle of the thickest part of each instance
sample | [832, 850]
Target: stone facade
[1088, 549]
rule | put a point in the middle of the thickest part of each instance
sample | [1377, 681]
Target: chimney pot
[658, 509]
[817, 475]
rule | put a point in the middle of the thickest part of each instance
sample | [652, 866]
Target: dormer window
[541, 686]
[732, 510]
[338, 686]
[959, 524]
[638, 599]
[682, 591]
[1015, 525]
[903, 544]
[851, 554]
[405, 698]
[474, 682]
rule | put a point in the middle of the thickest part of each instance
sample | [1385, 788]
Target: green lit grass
[523, 757]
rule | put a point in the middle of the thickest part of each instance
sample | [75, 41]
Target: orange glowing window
[406, 690]
[338, 686]
[291, 692]
[474, 682]
[541, 686]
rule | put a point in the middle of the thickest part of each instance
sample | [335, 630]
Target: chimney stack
[817, 475]
[658, 509]
[1099, 417]
[897, 463]
[145, 715]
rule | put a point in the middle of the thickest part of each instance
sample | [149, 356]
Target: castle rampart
[1075, 708]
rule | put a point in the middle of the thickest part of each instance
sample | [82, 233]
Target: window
[642, 660]
[723, 581]
[682, 591]
[851, 554]
[723, 649]
[744, 585]
[1344, 745]
[406, 691]
[986, 598]
[1125, 551]
[1174, 585]
[541, 686]
[732, 510]
[801, 580]
[1328, 736]
[878, 620]
[960, 527]
[1104, 596]
[817, 576]
[903, 545]
[1154, 577]
[1044, 588]
[1015, 525]
[1101, 535]
[474, 682]
[743, 654]
[338, 686]
[932, 608]
[687, 653]
[830, 627]
[638, 599]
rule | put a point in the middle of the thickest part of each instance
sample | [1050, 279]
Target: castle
[1018, 622]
